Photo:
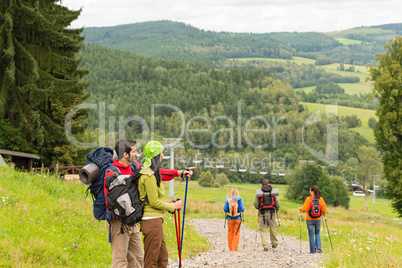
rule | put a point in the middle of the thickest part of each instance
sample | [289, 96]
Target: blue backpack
[103, 158]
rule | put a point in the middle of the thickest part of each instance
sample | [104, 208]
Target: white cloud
[242, 16]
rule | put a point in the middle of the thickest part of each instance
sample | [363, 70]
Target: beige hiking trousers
[269, 223]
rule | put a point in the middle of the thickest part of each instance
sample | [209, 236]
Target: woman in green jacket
[150, 186]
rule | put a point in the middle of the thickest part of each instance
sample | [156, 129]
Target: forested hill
[222, 103]
[175, 40]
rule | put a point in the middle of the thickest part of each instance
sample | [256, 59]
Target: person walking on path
[233, 208]
[150, 186]
[312, 219]
[267, 206]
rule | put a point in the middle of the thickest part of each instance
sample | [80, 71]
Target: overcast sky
[257, 16]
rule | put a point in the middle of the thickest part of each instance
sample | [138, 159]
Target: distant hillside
[176, 40]
[208, 99]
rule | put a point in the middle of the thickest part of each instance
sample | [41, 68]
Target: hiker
[126, 247]
[267, 206]
[314, 221]
[233, 208]
[150, 186]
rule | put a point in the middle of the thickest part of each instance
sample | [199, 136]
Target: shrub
[222, 179]
[327, 188]
[206, 179]
[341, 197]
[372, 123]
[352, 121]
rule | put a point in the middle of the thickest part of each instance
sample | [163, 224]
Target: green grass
[361, 238]
[350, 88]
[306, 89]
[356, 88]
[363, 114]
[362, 76]
[347, 41]
[296, 60]
[48, 222]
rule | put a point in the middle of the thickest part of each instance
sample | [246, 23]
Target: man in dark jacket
[267, 216]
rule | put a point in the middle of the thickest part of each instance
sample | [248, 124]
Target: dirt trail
[250, 252]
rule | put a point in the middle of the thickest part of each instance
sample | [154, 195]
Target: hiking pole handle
[182, 174]
[174, 201]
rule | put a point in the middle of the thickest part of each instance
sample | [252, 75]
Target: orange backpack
[233, 208]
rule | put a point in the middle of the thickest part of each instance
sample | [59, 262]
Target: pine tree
[39, 78]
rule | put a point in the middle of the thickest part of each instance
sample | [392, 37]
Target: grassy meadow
[347, 41]
[362, 87]
[363, 114]
[47, 222]
[360, 238]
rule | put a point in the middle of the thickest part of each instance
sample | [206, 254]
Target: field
[347, 41]
[360, 238]
[296, 60]
[350, 88]
[363, 114]
[47, 222]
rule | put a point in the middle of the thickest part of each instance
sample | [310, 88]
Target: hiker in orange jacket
[313, 222]
[233, 207]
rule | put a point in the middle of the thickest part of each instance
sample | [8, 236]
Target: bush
[327, 188]
[329, 88]
[352, 121]
[222, 179]
[382, 191]
[341, 192]
[206, 179]
[372, 123]
[302, 178]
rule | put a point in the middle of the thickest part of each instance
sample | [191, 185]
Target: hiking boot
[274, 246]
[265, 249]
[319, 250]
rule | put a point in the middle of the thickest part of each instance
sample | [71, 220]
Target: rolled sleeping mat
[89, 173]
[274, 192]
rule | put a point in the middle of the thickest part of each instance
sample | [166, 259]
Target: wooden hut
[22, 161]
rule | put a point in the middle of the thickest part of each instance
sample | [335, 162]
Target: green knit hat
[151, 149]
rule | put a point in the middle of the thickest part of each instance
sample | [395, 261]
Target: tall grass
[363, 114]
[47, 222]
[361, 238]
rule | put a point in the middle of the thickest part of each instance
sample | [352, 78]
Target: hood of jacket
[266, 188]
[234, 197]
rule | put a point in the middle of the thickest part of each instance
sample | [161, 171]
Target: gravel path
[250, 252]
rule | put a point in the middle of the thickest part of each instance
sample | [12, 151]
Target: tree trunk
[365, 199]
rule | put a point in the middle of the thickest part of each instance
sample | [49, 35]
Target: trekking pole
[300, 230]
[226, 217]
[244, 227]
[184, 215]
[177, 226]
[328, 233]
[279, 223]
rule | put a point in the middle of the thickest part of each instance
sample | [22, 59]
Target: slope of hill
[175, 40]
[46, 221]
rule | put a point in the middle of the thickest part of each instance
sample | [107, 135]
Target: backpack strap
[113, 169]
